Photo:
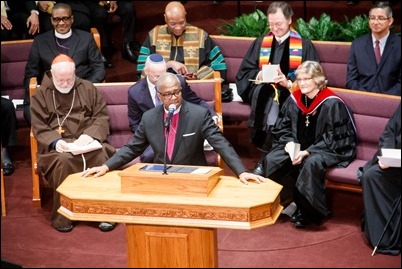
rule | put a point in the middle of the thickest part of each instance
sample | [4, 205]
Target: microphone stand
[166, 143]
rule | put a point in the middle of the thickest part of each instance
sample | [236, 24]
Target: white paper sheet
[269, 72]
[74, 149]
[390, 157]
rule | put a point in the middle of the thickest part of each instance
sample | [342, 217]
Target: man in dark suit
[190, 125]
[142, 96]
[77, 44]
[363, 71]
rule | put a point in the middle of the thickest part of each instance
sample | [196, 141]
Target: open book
[390, 157]
[75, 149]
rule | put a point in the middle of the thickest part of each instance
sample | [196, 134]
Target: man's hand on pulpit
[246, 176]
[97, 171]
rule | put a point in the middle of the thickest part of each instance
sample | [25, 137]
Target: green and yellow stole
[191, 41]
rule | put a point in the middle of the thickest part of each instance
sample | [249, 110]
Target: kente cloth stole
[295, 51]
[172, 133]
[191, 41]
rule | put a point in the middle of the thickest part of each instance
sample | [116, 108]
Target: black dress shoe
[301, 223]
[62, 224]
[106, 62]
[296, 216]
[106, 226]
[8, 169]
[259, 169]
[128, 52]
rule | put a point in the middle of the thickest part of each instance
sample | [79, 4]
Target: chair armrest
[96, 35]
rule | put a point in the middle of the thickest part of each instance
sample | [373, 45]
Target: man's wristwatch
[35, 11]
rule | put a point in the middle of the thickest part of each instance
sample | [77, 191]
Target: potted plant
[324, 28]
[254, 24]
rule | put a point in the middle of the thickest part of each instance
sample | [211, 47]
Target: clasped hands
[84, 139]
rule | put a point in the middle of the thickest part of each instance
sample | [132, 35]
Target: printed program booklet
[75, 149]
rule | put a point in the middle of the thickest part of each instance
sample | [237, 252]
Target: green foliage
[255, 24]
[322, 29]
[252, 25]
[350, 29]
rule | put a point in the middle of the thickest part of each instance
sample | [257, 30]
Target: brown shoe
[62, 224]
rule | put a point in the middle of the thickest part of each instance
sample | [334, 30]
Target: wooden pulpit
[171, 219]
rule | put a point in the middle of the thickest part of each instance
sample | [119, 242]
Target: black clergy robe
[330, 138]
[260, 96]
[382, 194]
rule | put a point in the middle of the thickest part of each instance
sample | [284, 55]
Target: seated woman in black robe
[317, 119]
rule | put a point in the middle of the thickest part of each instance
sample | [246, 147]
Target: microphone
[172, 109]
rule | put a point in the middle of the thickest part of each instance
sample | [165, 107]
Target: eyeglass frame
[168, 96]
[64, 19]
[378, 19]
[299, 80]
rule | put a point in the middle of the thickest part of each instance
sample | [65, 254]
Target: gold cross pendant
[60, 130]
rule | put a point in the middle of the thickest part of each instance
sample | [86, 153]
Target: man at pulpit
[182, 127]
[68, 109]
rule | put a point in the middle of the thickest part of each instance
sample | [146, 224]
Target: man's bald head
[175, 18]
[175, 8]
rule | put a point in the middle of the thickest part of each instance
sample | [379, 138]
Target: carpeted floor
[27, 238]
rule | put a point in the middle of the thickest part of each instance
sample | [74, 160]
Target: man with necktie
[374, 63]
[143, 95]
[194, 125]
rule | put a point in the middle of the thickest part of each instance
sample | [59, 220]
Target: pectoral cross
[307, 121]
[60, 130]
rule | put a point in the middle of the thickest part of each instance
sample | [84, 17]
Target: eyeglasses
[299, 80]
[169, 95]
[378, 19]
[276, 24]
[64, 19]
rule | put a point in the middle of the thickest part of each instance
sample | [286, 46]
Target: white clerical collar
[283, 38]
[63, 36]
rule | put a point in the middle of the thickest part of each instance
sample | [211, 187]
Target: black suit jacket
[140, 100]
[364, 74]
[195, 125]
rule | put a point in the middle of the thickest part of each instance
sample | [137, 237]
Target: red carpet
[28, 239]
